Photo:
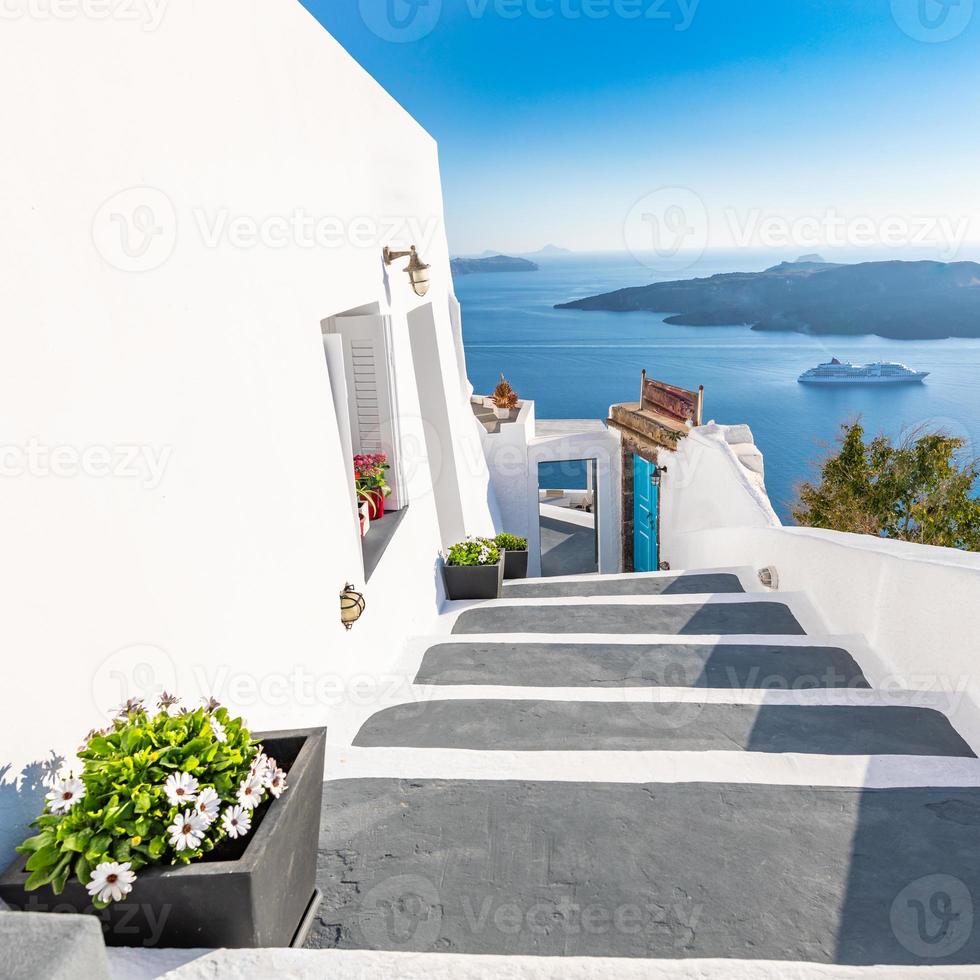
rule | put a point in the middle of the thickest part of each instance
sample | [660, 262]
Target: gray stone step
[734, 665]
[537, 725]
[669, 871]
[711, 619]
[600, 585]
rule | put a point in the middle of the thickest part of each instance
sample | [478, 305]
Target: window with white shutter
[371, 393]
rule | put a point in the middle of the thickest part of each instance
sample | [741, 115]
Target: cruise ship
[838, 372]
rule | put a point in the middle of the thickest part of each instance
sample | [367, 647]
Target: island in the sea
[493, 263]
[899, 300]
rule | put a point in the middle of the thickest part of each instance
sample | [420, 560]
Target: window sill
[375, 542]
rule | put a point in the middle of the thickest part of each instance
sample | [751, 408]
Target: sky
[684, 124]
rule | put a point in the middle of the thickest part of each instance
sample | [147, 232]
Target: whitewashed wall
[918, 607]
[513, 455]
[143, 317]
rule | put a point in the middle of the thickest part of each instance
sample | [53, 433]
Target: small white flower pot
[501, 413]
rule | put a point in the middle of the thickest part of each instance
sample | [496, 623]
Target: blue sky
[555, 117]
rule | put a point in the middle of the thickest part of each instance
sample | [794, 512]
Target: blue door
[646, 494]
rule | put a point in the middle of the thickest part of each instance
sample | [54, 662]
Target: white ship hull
[907, 379]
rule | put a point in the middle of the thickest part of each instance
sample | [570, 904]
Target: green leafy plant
[369, 475]
[913, 491]
[166, 786]
[510, 542]
[473, 551]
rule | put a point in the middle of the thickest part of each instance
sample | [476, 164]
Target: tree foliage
[916, 490]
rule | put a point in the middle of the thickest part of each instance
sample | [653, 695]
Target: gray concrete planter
[257, 891]
[473, 581]
[515, 564]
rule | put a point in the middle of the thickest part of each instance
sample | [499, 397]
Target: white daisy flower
[277, 783]
[187, 830]
[250, 793]
[111, 881]
[65, 794]
[208, 804]
[268, 772]
[237, 821]
[218, 730]
[260, 766]
[180, 788]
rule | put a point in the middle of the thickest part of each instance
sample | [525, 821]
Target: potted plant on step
[180, 829]
[504, 399]
[473, 569]
[369, 479]
[514, 550]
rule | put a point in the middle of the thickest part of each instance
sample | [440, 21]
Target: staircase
[682, 767]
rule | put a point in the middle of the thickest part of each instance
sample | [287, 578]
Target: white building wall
[203, 544]
[918, 607]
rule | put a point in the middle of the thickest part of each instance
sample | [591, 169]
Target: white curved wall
[917, 606]
[218, 570]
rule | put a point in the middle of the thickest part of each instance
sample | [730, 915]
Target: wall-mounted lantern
[351, 606]
[418, 271]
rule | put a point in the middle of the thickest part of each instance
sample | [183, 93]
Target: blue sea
[576, 364]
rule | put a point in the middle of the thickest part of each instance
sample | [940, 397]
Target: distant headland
[492, 263]
[899, 300]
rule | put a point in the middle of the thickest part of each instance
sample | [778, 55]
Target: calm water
[575, 364]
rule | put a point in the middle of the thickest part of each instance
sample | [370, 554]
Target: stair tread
[670, 871]
[709, 619]
[742, 666]
[536, 725]
[600, 585]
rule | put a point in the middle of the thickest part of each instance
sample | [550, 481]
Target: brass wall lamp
[418, 271]
[351, 606]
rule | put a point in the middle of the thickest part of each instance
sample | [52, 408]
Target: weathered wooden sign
[673, 402]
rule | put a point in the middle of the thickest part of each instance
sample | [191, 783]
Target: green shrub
[509, 542]
[473, 551]
[153, 788]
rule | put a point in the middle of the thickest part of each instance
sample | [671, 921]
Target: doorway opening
[568, 517]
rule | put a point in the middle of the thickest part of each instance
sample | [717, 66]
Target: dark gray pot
[253, 892]
[515, 564]
[473, 581]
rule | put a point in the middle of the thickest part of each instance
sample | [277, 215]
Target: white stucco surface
[369, 965]
[917, 607]
[183, 207]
